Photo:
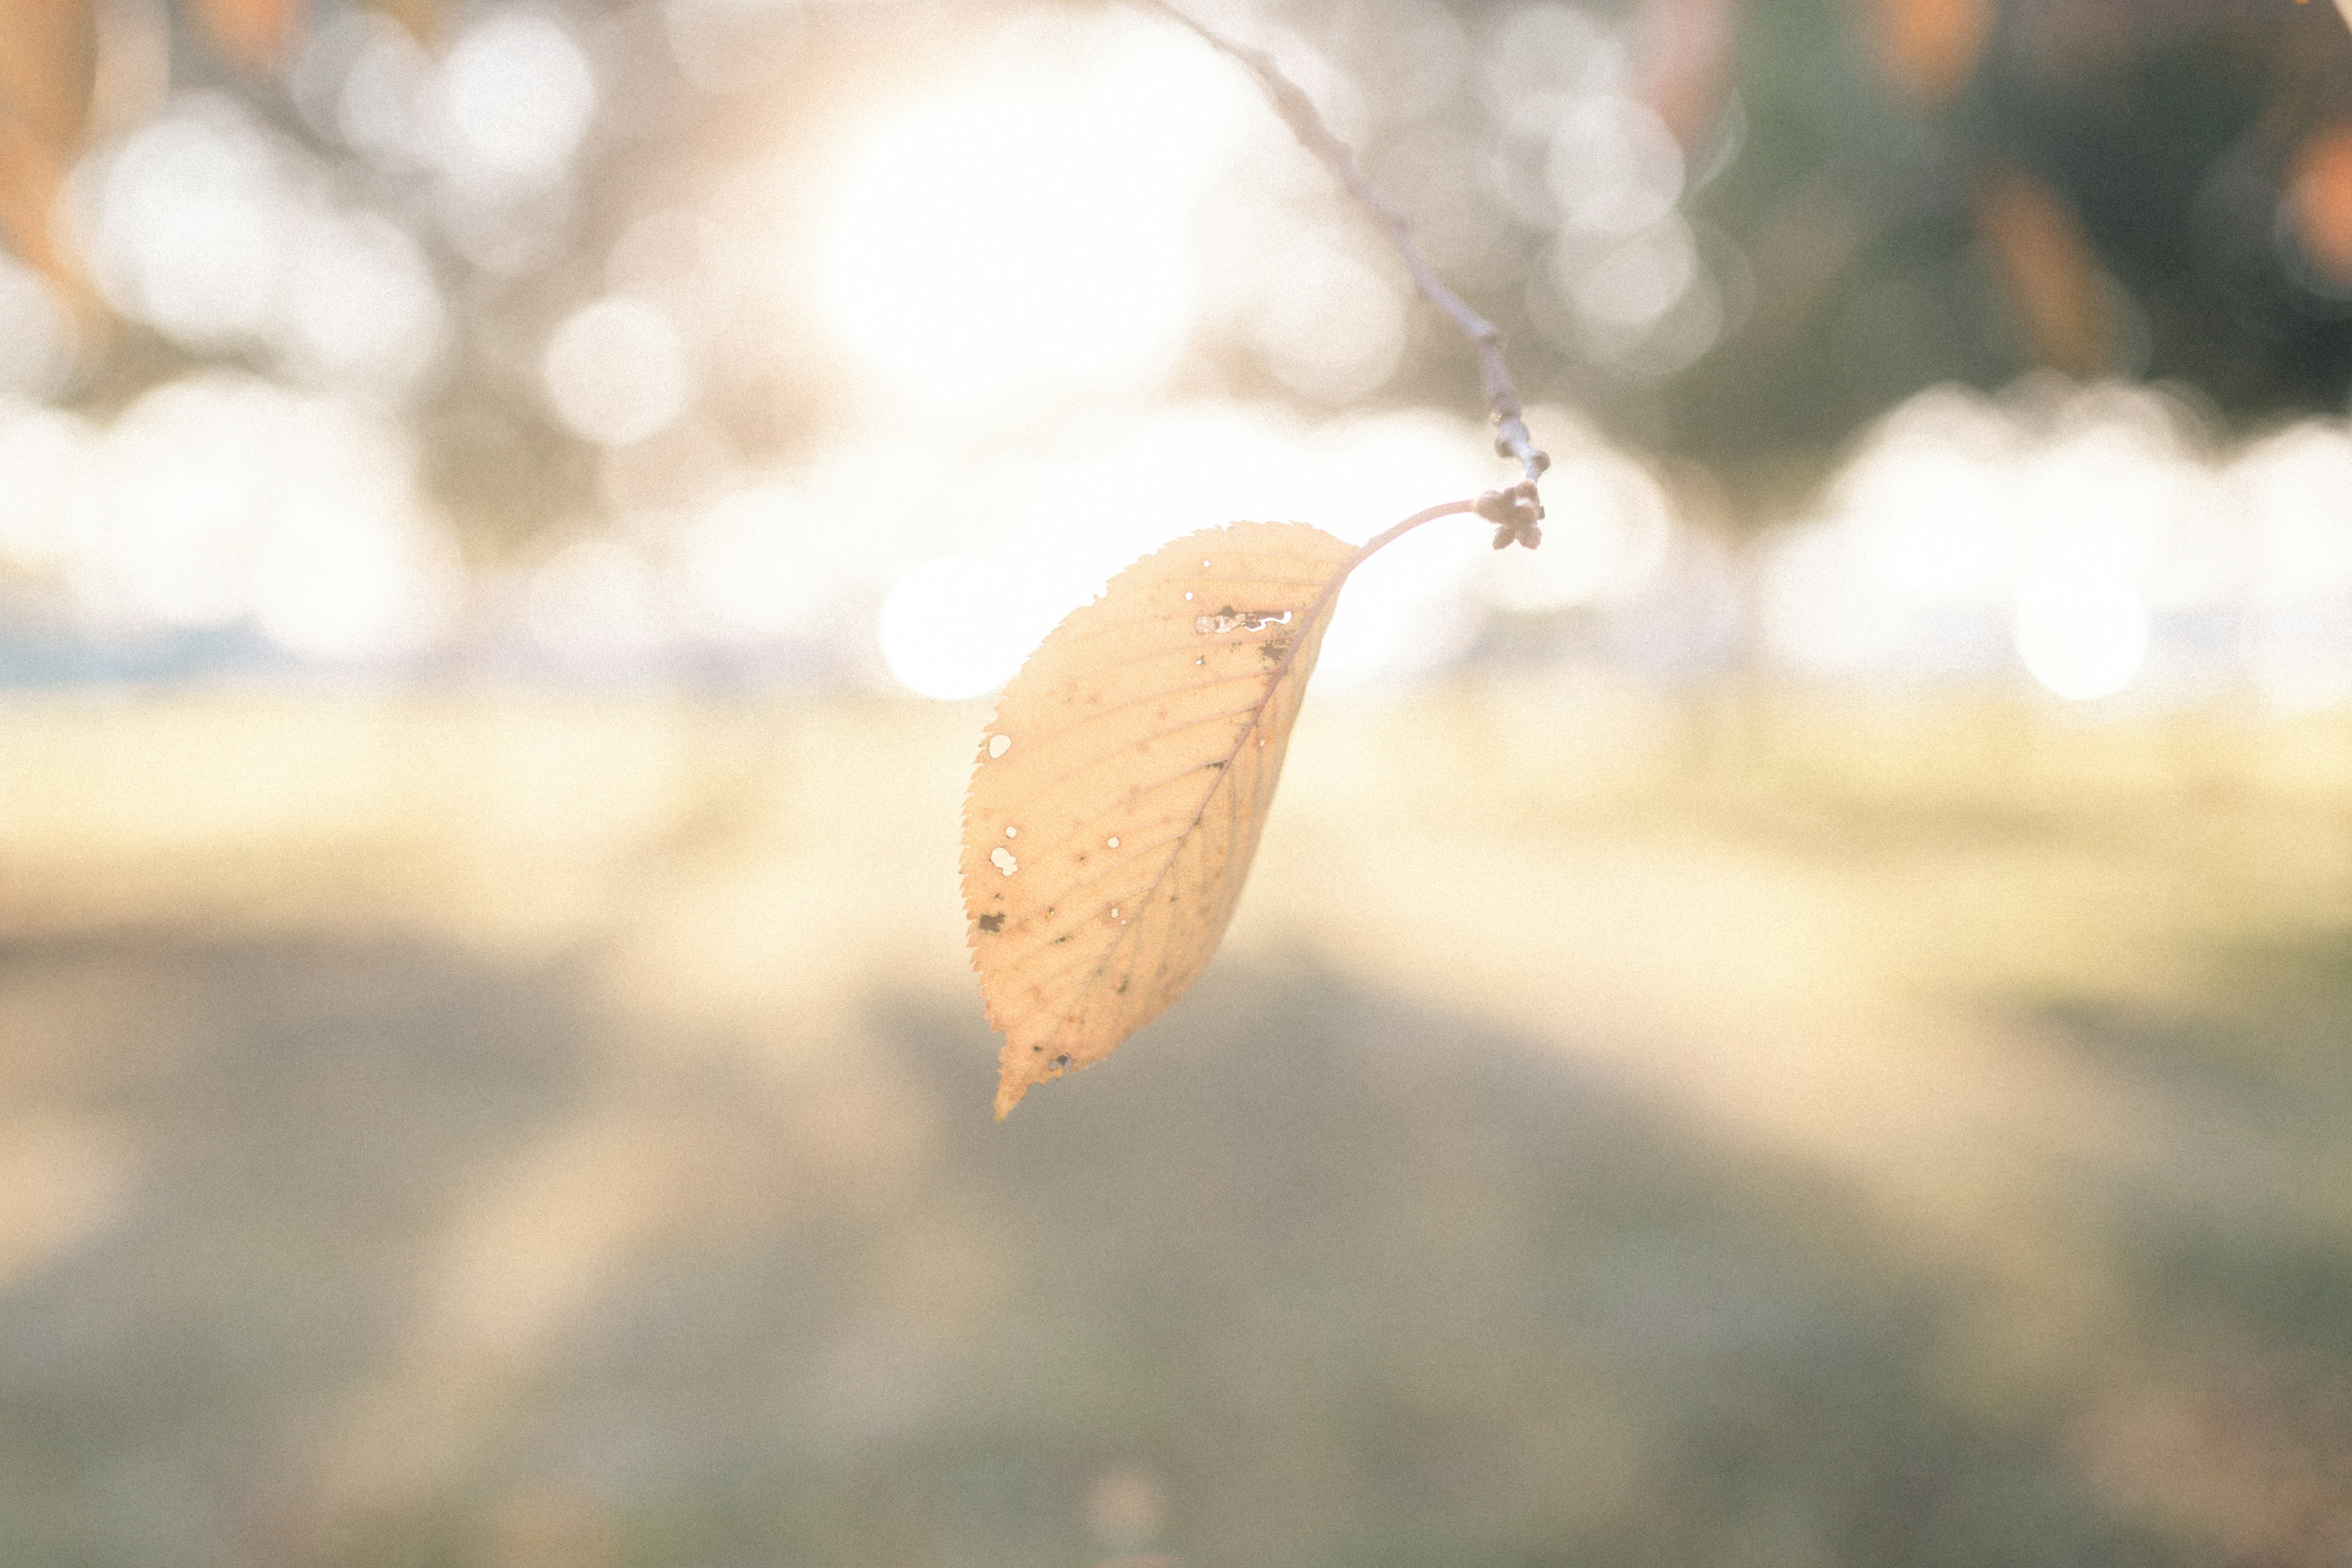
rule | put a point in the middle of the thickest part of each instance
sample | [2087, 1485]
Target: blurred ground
[1739, 1128]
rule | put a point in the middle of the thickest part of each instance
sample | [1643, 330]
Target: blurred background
[1803, 1023]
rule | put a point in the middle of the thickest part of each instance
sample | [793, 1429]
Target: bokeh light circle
[517, 95]
[958, 625]
[616, 371]
[2081, 628]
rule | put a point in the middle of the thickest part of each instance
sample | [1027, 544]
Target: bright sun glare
[1034, 230]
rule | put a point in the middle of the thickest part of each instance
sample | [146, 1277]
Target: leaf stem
[1307, 124]
[1388, 536]
[1481, 507]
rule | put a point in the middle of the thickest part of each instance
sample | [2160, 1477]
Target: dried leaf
[1121, 786]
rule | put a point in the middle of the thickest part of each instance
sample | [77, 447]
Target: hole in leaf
[1113, 842]
[1002, 860]
[1012, 833]
[1232, 620]
[999, 744]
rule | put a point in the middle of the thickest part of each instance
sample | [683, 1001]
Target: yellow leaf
[1120, 788]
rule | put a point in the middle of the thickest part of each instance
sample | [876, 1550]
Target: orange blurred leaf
[1928, 50]
[253, 33]
[2319, 195]
[1682, 53]
[48, 58]
[1120, 788]
[29, 176]
[31, 170]
[2050, 271]
[421, 17]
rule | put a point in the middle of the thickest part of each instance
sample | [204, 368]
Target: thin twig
[1516, 510]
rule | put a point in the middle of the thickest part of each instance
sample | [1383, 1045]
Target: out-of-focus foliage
[49, 64]
[592, 322]
[1734, 230]
[2098, 186]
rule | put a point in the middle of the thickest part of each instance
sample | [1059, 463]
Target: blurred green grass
[1743, 1127]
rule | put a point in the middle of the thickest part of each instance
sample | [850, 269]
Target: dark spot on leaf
[1062, 1062]
[1121, 988]
[994, 922]
[1061, 939]
[1272, 652]
[1212, 767]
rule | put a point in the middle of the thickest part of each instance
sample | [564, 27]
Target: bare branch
[1516, 510]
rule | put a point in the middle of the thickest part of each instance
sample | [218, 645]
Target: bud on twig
[1515, 513]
